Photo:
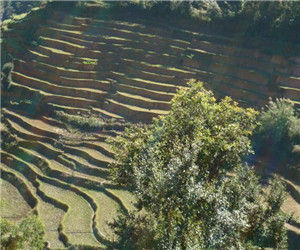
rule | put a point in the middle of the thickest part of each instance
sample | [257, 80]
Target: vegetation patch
[90, 62]
[14, 206]
[81, 121]
[278, 136]
[28, 234]
[89, 122]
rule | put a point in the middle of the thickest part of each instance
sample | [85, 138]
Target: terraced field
[122, 72]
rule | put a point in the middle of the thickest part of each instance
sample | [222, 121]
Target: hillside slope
[120, 71]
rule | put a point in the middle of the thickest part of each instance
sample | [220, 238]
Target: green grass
[127, 198]
[14, 207]
[107, 211]
[90, 62]
[77, 222]
[50, 216]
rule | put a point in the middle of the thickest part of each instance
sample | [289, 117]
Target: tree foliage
[278, 20]
[279, 129]
[187, 172]
[10, 8]
[6, 75]
[28, 234]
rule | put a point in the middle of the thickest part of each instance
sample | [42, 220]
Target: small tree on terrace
[28, 234]
[186, 170]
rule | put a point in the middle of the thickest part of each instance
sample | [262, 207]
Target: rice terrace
[135, 125]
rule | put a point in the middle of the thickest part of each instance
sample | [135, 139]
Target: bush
[135, 231]
[90, 62]
[8, 140]
[11, 8]
[26, 235]
[6, 75]
[280, 128]
[90, 122]
[81, 121]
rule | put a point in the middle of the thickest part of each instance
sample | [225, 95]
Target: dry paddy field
[119, 70]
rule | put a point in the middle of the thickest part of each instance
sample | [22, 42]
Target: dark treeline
[275, 20]
[9, 7]
[278, 20]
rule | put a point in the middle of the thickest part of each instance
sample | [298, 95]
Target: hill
[79, 78]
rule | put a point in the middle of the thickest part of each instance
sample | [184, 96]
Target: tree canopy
[193, 190]
[28, 234]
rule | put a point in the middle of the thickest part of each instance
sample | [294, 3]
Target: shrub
[11, 8]
[6, 75]
[8, 140]
[90, 62]
[280, 128]
[81, 121]
[26, 235]
[135, 231]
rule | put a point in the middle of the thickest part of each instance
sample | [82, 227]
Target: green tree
[28, 234]
[279, 130]
[192, 188]
[6, 75]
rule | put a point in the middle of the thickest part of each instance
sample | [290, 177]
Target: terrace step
[50, 220]
[107, 114]
[93, 94]
[134, 72]
[63, 186]
[62, 45]
[19, 91]
[204, 41]
[132, 113]
[107, 211]
[59, 166]
[139, 101]
[289, 81]
[52, 53]
[35, 71]
[151, 94]
[54, 208]
[39, 127]
[159, 69]
[133, 51]
[105, 36]
[150, 85]
[19, 199]
[77, 223]
[215, 67]
[50, 169]
[99, 146]
[145, 31]
[71, 62]
[245, 65]
[61, 71]
[68, 109]
[43, 146]
[291, 93]
[92, 156]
